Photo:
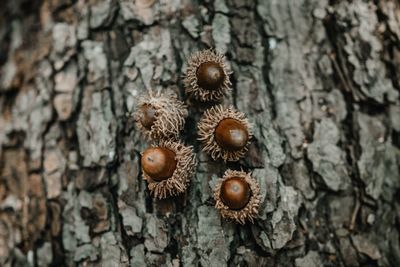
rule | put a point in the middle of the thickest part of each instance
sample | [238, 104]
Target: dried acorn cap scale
[207, 76]
[168, 167]
[237, 196]
[225, 133]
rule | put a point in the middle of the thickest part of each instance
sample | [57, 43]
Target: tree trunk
[318, 79]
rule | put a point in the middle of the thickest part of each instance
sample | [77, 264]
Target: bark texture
[318, 79]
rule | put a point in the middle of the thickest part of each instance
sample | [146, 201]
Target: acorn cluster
[225, 134]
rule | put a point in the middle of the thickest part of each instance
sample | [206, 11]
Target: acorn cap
[237, 196]
[160, 116]
[166, 153]
[207, 76]
[225, 133]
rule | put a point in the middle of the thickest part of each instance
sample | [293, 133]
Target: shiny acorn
[160, 116]
[158, 163]
[168, 167]
[231, 135]
[207, 76]
[237, 196]
[210, 76]
[235, 193]
[225, 133]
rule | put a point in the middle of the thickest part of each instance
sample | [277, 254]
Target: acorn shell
[191, 81]
[235, 193]
[248, 212]
[159, 163]
[180, 179]
[207, 127]
[170, 115]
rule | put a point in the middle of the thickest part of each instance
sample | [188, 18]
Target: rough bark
[318, 79]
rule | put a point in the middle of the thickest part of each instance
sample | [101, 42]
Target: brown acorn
[160, 116]
[237, 196]
[225, 133]
[168, 167]
[207, 76]
[147, 116]
[159, 163]
[235, 193]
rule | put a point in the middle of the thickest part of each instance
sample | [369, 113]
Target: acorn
[235, 193]
[225, 133]
[160, 116]
[237, 196]
[207, 76]
[159, 163]
[168, 167]
[147, 116]
[231, 134]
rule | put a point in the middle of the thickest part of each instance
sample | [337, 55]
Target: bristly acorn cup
[160, 116]
[237, 196]
[225, 133]
[168, 167]
[207, 76]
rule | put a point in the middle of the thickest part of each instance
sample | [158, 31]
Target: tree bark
[318, 79]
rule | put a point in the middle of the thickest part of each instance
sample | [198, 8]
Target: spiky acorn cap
[185, 163]
[160, 115]
[207, 76]
[225, 133]
[250, 210]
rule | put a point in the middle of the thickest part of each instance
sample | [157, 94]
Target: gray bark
[318, 79]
